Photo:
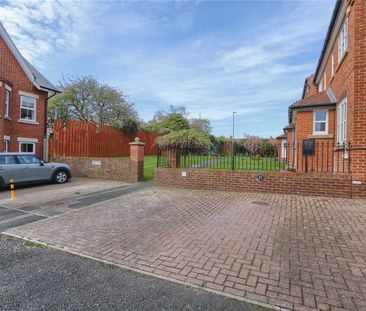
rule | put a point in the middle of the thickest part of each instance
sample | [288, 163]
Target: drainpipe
[45, 145]
[46, 111]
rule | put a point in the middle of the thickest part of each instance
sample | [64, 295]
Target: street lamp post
[232, 144]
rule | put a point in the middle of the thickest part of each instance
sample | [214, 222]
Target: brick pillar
[137, 160]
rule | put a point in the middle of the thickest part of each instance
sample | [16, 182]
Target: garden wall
[87, 139]
[318, 184]
[128, 169]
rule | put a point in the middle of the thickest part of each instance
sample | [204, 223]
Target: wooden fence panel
[85, 139]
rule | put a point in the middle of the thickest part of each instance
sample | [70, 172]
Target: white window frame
[34, 109]
[7, 102]
[332, 63]
[27, 143]
[315, 132]
[283, 148]
[325, 81]
[6, 145]
[343, 40]
[342, 122]
[320, 86]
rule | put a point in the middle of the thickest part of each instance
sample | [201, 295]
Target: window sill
[28, 122]
[7, 118]
[341, 147]
[319, 135]
[342, 60]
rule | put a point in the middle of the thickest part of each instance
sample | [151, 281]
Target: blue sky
[214, 57]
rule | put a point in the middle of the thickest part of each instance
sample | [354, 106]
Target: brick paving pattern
[301, 253]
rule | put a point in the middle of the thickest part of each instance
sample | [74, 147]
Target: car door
[9, 169]
[31, 168]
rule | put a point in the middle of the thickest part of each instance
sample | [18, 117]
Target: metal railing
[307, 156]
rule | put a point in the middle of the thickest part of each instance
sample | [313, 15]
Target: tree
[187, 138]
[252, 144]
[268, 149]
[173, 122]
[86, 99]
[201, 125]
[161, 114]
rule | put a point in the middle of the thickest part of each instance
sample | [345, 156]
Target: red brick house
[24, 92]
[331, 114]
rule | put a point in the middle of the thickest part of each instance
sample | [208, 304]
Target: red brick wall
[358, 112]
[129, 169]
[121, 169]
[348, 81]
[323, 158]
[274, 182]
[10, 70]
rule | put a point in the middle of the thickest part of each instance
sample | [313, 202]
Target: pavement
[280, 251]
[41, 193]
[35, 278]
[44, 201]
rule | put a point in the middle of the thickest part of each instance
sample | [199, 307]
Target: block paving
[294, 252]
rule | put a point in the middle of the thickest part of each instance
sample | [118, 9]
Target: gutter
[55, 91]
[330, 105]
[329, 32]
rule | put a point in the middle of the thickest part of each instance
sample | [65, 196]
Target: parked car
[26, 168]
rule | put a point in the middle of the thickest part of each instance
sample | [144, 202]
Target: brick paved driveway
[301, 253]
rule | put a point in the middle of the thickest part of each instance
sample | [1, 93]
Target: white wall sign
[184, 174]
[96, 162]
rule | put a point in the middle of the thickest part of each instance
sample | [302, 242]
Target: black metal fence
[307, 156]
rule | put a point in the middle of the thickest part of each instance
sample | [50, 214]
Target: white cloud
[214, 76]
[40, 28]
[157, 53]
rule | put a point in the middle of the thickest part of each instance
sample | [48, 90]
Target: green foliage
[173, 122]
[126, 125]
[221, 140]
[186, 138]
[267, 149]
[86, 99]
[175, 119]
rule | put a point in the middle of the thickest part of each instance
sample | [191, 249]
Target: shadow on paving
[14, 217]
[37, 278]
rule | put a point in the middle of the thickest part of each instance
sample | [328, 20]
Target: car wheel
[60, 177]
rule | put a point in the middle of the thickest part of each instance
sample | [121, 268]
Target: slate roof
[39, 80]
[317, 100]
[283, 136]
[327, 38]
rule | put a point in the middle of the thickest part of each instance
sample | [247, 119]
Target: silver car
[26, 168]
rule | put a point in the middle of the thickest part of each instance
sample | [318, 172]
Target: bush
[252, 145]
[128, 125]
[174, 122]
[267, 149]
[183, 139]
